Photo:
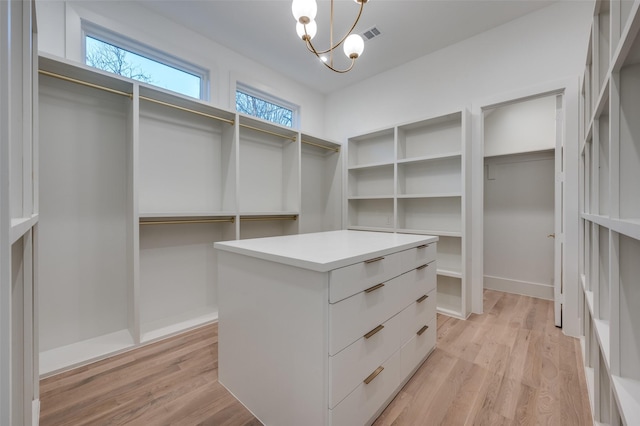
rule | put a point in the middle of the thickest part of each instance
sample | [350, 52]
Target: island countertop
[324, 251]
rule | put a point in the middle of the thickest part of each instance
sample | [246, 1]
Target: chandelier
[305, 13]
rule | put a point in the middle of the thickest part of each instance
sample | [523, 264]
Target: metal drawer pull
[422, 330]
[374, 331]
[422, 266]
[373, 375]
[422, 298]
[422, 246]
[374, 288]
[375, 259]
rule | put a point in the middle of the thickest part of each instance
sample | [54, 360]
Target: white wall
[546, 45]
[60, 35]
[525, 126]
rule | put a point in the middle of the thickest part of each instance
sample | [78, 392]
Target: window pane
[119, 61]
[260, 108]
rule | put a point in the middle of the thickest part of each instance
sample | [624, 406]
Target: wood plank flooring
[509, 366]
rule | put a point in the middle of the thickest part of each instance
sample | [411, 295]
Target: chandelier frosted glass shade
[304, 12]
[353, 46]
[309, 30]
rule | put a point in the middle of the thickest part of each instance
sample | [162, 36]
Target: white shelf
[450, 311]
[268, 213]
[371, 165]
[627, 392]
[168, 326]
[64, 357]
[602, 332]
[429, 232]
[449, 273]
[371, 197]
[435, 195]
[20, 226]
[186, 215]
[443, 156]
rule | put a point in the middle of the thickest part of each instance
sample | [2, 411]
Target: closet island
[324, 328]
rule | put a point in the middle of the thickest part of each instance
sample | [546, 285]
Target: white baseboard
[35, 412]
[540, 291]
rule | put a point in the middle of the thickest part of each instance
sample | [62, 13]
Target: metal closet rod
[86, 83]
[170, 105]
[204, 114]
[186, 221]
[262, 218]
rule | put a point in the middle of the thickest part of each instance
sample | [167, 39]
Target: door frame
[567, 223]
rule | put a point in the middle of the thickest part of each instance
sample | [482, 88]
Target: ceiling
[264, 30]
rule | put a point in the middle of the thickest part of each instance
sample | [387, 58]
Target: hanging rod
[261, 218]
[330, 148]
[185, 221]
[257, 129]
[215, 117]
[85, 83]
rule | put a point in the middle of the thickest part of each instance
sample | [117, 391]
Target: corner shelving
[610, 203]
[412, 178]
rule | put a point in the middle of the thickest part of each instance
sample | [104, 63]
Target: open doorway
[522, 198]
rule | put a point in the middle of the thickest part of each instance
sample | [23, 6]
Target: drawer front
[352, 279]
[349, 366]
[417, 348]
[352, 318]
[423, 280]
[419, 255]
[367, 399]
[417, 315]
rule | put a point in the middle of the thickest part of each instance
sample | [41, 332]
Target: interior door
[559, 207]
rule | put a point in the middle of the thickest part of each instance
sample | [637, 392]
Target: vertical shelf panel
[603, 162]
[178, 276]
[269, 167]
[373, 148]
[321, 208]
[604, 42]
[372, 181]
[443, 176]
[186, 161]
[373, 214]
[85, 214]
[629, 303]
[629, 142]
[603, 287]
[441, 215]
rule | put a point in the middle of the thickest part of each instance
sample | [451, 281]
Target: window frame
[89, 29]
[262, 95]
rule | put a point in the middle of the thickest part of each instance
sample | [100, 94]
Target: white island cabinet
[324, 328]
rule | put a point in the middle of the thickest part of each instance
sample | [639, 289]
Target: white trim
[538, 290]
[35, 412]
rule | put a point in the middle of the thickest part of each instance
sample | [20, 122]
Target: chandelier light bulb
[312, 29]
[304, 10]
[353, 46]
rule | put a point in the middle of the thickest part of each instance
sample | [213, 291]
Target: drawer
[367, 399]
[423, 280]
[352, 279]
[349, 366]
[417, 256]
[418, 314]
[353, 317]
[417, 348]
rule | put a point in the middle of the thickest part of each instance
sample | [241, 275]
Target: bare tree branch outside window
[260, 108]
[113, 59]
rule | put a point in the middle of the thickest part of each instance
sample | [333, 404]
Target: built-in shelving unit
[610, 204]
[136, 192]
[19, 213]
[412, 178]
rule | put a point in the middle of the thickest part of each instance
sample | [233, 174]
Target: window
[258, 104]
[111, 52]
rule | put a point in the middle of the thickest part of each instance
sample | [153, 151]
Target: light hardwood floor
[509, 366]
